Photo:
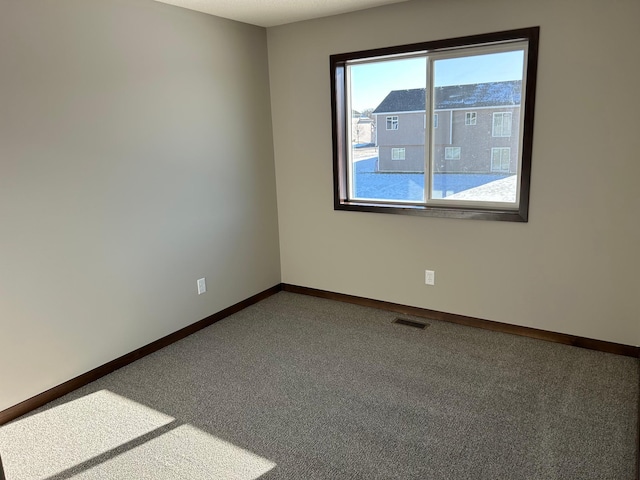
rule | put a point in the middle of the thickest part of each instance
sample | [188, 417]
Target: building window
[397, 153]
[500, 159]
[470, 118]
[452, 153]
[416, 81]
[502, 124]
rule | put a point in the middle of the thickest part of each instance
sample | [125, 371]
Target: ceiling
[269, 13]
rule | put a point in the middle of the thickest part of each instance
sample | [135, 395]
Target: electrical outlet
[202, 286]
[429, 277]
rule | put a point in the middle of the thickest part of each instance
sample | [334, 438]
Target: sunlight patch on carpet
[104, 436]
[183, 453]
[62, 437]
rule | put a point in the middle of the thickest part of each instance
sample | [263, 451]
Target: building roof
[491, 94]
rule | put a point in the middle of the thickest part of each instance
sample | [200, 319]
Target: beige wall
[573, 268]
[135, 157]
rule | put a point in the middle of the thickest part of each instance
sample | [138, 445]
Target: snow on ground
[410, 186]
[503, 190]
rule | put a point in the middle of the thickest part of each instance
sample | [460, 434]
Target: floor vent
[410, 323]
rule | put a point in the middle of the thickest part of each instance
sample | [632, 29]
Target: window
[397, 153]
[470, 118]
[435, 121]
[452, 153]
[502, 124]
[494, 72]
[500, 159]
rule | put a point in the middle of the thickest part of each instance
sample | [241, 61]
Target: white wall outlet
[202, 286]
[429, 277]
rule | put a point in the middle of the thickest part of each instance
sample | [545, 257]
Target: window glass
[409, 143]
[397, 154]
[491, 82]
[452, 153]
[470, 118]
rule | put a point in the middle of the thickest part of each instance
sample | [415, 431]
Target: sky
[372, 82]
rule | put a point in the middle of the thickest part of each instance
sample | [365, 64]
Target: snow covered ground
[410, 186]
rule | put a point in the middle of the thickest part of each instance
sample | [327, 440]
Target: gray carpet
[301, 388]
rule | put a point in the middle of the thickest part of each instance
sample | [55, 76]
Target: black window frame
[338, 63]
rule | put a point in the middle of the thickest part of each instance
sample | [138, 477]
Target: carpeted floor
[302, 388]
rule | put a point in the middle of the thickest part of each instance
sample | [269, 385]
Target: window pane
[397, 153]
[383, 156]
[388, 164]
[506, 124]
[470, 118]
[452, 153]
[501, 159]
[490, 84]
[497, 124]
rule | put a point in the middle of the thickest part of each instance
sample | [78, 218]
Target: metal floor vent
[411, 323]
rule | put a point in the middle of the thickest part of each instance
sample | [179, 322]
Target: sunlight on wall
[104, 435]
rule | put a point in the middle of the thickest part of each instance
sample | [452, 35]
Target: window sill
[442, 212]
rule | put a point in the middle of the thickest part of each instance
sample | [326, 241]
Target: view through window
[445, 126]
